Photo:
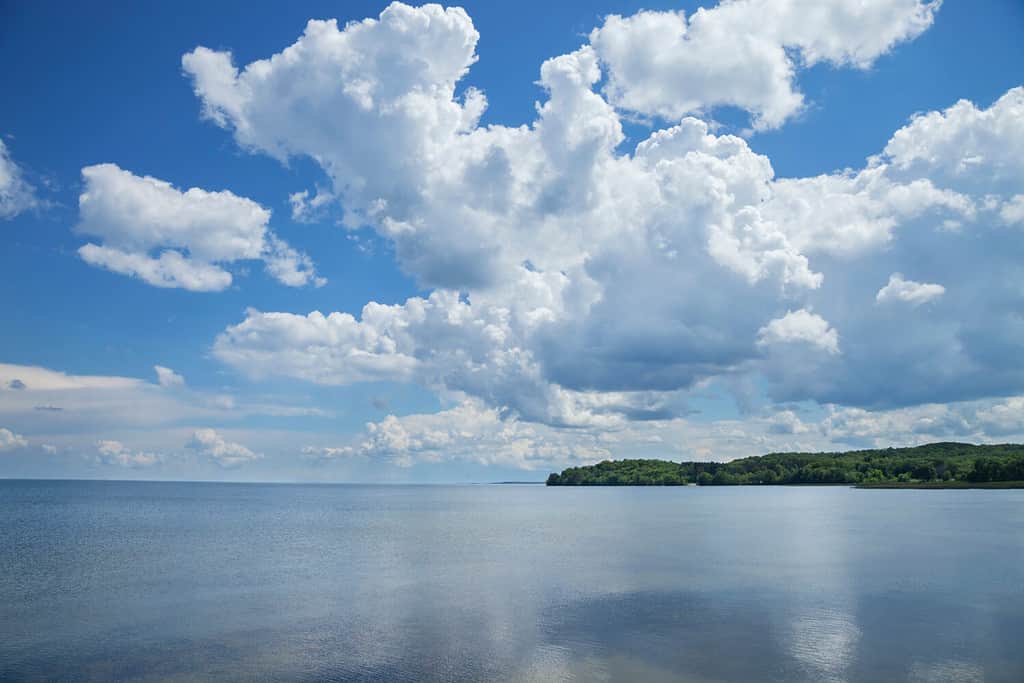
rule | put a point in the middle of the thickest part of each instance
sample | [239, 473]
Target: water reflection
[823, 641]
[821, 631]
[947, 670]
[507, 584]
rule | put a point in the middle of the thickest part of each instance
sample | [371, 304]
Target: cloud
[225, 453]
[582, 291]
[965, 147]
[17, 195]
[908, 291]
[800, 326]
[306, 209]
[1002, 419]
[10, 441]
[288, 266]
[576, 280]
[87, 402]
[169, 270]
[116, 453]
[745, 53]
[985, 421]
[471, 432]
[1012, 212]
[441, 342]
[196, 232]
[86, 407]
[466, 206]
[335, 349]
[850, 213]
[326, 454]
[168, 378]
[788, 422]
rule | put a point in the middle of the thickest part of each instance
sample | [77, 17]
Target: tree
[946, 461]
[723, 477]
[925, 472]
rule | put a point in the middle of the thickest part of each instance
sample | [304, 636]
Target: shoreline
[937, 485]
[944, 485]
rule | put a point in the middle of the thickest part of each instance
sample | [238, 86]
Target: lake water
[177, 581]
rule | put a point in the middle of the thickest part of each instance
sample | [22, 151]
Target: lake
[184, 581]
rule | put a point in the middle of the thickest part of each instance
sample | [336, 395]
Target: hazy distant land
[937, 465]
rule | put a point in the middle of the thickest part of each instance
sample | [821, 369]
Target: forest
[930, 466]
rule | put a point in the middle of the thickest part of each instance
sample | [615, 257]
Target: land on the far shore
[944, 485]
[931, 466]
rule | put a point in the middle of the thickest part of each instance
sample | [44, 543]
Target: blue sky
[704, 248]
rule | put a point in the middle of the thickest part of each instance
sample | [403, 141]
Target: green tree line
[938, 462]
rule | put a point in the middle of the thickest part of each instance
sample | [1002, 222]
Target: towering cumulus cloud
[579, 282]
[746, 53]
[195, 232]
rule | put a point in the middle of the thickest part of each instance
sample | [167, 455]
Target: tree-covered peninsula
[931, 466]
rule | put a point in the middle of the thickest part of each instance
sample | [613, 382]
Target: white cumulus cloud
[1012, 212]
[577, 280]
[965, 146]
[745, 53]
[209, 443]
[9, 440]
[111, 452]
[168, 378]
[169, 238]
[801, 326]
[472, 432]
[908, 291]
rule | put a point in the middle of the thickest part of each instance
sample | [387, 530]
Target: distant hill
[932, 465]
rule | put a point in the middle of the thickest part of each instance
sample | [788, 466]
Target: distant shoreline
[921, 485]
[944, 465]
[944, 485]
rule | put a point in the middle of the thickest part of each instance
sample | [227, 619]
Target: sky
[388, 243]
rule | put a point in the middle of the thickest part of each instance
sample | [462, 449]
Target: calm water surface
[154, 581]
